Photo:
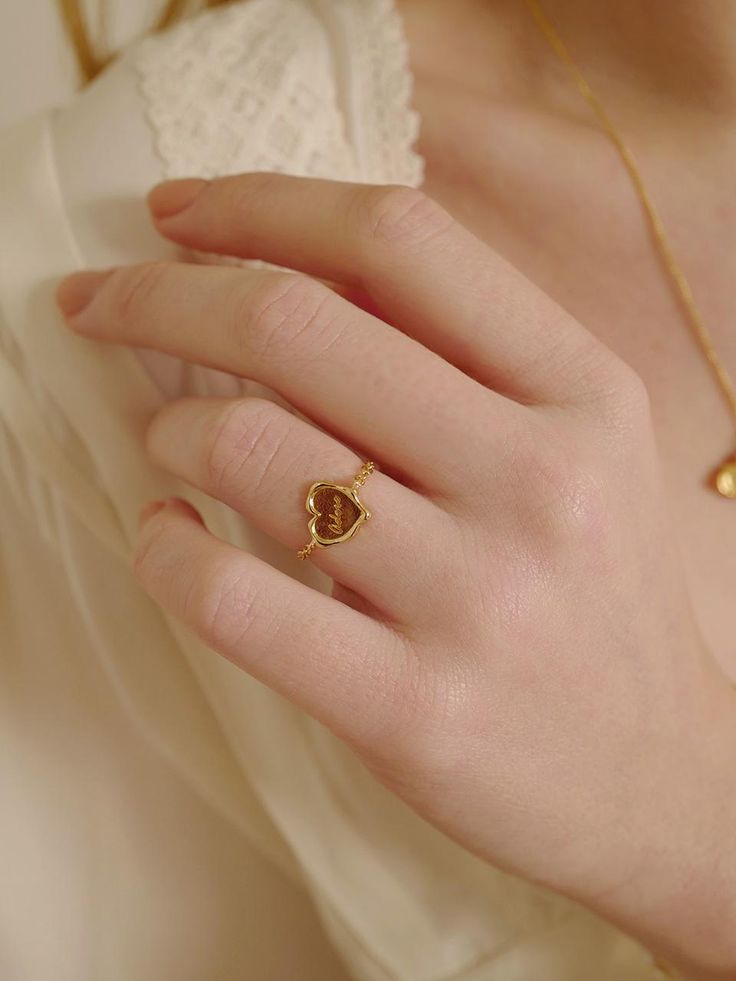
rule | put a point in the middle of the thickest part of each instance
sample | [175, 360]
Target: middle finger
[360, 378]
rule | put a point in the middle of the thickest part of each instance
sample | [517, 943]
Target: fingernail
[148, 511]
[75, 292]
[171, 197]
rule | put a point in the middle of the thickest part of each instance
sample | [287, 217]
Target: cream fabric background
[39, 68]
[165, 816]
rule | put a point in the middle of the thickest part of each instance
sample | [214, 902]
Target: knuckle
[582, 505]
[565, 502]
[251, 433]
[631, 405]
[216, 595]
[395, 214]
[132, 289]
[223, 603]
[622, 402]
[285, 309]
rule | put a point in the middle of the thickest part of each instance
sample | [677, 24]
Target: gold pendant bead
[726, 479]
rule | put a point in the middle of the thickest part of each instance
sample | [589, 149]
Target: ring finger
[261, 460]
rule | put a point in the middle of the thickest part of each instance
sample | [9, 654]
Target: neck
[680, 51]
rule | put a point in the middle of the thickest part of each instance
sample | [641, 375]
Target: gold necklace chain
[725, 477]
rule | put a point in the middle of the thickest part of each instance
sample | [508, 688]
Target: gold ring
[337, 511]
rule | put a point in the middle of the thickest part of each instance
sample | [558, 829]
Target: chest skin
[552, 196]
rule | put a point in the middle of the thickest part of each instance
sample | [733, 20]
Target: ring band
[337, 511]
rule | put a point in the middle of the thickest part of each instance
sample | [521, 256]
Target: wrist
[680, 900]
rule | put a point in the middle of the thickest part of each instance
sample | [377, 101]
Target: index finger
[430, 275]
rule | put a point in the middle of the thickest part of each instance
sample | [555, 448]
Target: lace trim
[244, 87]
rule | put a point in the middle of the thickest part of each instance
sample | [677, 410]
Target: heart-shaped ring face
[338, 512]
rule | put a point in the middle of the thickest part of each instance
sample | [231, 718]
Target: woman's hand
[509, 645]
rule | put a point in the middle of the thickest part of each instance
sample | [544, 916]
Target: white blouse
[164, 816]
